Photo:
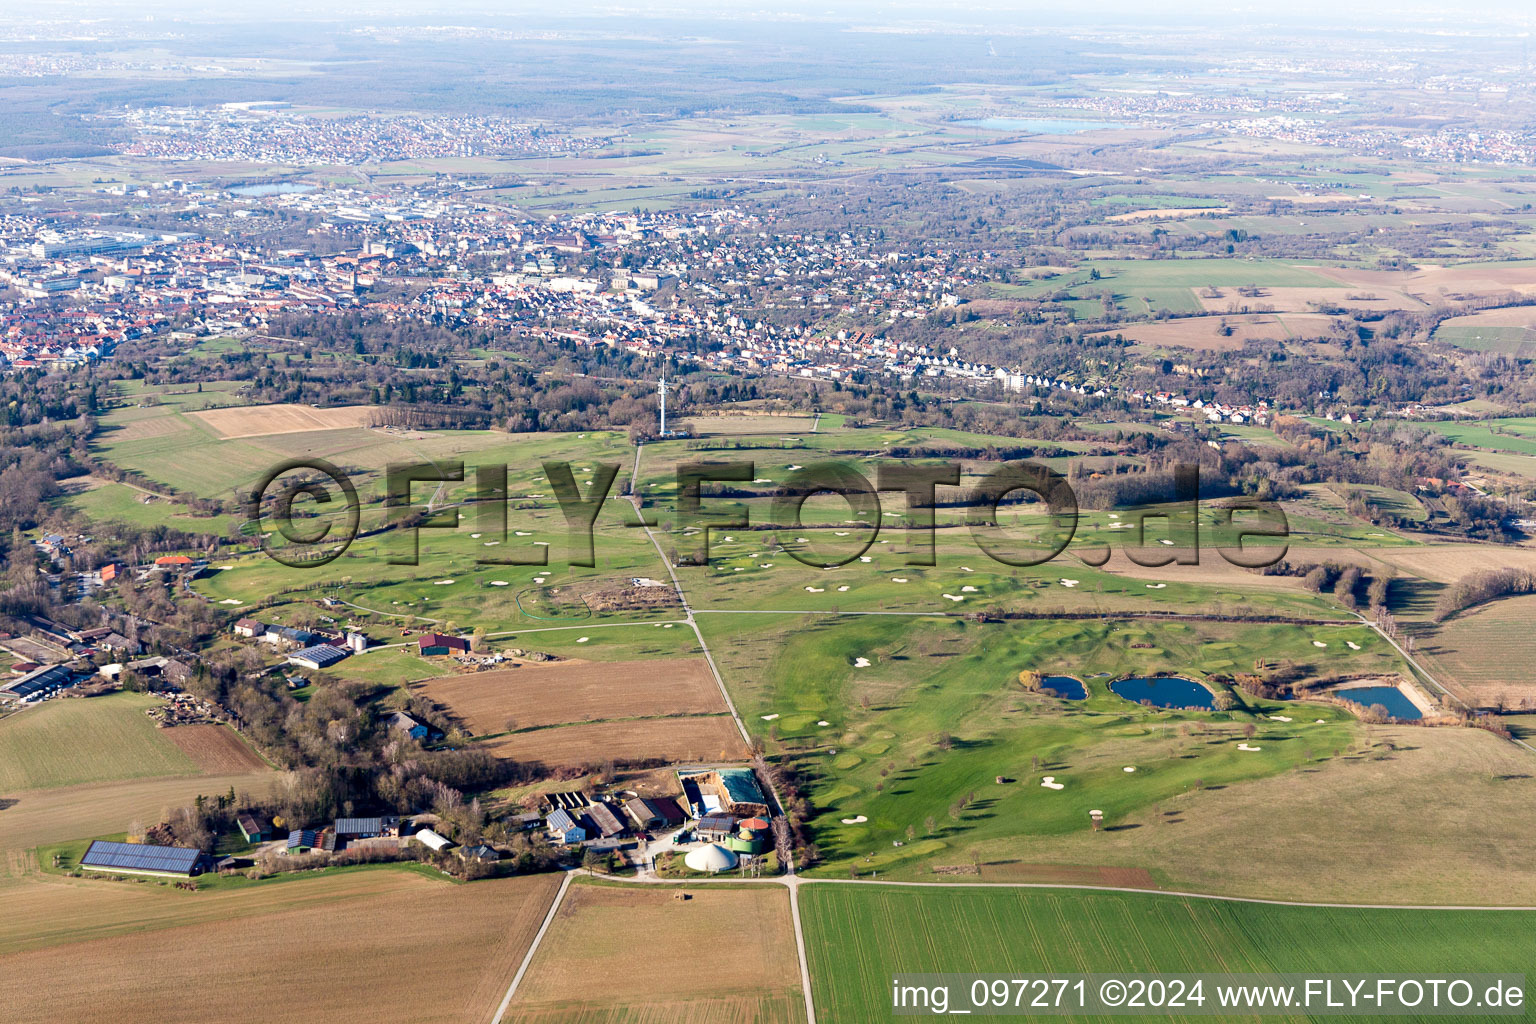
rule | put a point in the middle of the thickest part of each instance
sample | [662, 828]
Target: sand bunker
[968, 589]
[769, 718]
[815, 590]
[1156, 586]
[1049, 782]
[861, 663]
[843, 589]
[229, 600]
[1351, 645]
[1245, 746]
[955, 597]
[442, 583]
[1279, 718]
[582, 639]
[823, 723]
[1130, 768]
[1318, 643]
[498, 583]
[1068, 583]
[857, 819]
[898, 579]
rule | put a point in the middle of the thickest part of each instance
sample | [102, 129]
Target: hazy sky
[1385, 13]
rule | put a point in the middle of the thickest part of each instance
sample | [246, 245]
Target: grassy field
[1506, 434]
[860, 936]
[101, 739]
[725, 954]
[392, 937]
[1318, 832]
[934, 715]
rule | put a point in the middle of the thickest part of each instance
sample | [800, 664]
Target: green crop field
[68, 742]
[860, 937]
[1515, 434]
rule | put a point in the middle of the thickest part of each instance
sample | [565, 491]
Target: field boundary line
[522, 969]
[794, 881]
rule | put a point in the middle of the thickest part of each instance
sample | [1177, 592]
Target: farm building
[366, 828]
[249, 628]
[604, 822]
[716, 827]
[302, 840]
[317, 657]
[432, 841]
[141, 859]
[38, 683]
[711, 859]
[433, 644]
[732, 790]
[751, 836]
[654, 813]
[253, 828]
[172, 561]
[564, 829]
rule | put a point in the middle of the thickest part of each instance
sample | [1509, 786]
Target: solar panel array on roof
[179, 860]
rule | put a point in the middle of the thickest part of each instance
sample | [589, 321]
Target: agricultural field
[726, 953]
[1505, 434]
[125, 945]
[1481, 653]
[541, 695]
[216, 749]
[1509, 331]
[1224, 333]
[260, 420]
[860, 936]
[675, 739]
[99, 739]
[900, 726]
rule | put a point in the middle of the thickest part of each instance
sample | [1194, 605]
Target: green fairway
[99, 739]
[860, 937]
[899, 757]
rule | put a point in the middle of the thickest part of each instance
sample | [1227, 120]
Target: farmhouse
[732, 790]
[249, 628]
[564, 829]
[432, 644]
[142, 859]
[479, 852]
[405, 723]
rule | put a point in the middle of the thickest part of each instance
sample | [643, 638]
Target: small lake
[1390, 697]
[1037, 126]
[1066, 686]
[272, 188]
[1166, 692]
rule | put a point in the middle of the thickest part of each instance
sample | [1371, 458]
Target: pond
[1066, 686]
[1390, 697]
[1166, 692]
[272, 188]
[1045, 126]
